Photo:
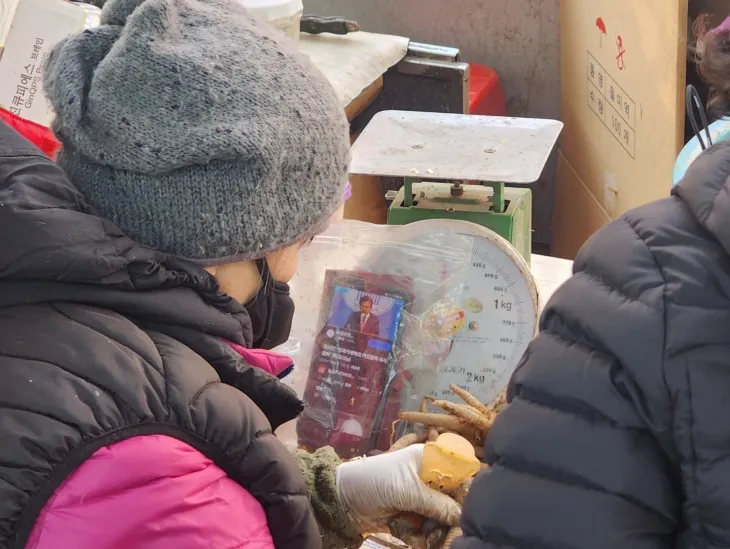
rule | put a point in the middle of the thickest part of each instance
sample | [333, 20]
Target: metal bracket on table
[429, 78]
[447, 88]
[431, 51]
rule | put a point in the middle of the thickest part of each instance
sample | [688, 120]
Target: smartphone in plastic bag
[353, 389]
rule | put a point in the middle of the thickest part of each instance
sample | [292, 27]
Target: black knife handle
[317, 24]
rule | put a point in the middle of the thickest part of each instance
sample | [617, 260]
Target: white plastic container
[284, 15]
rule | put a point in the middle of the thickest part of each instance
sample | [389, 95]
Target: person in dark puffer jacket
[143, 283]
[616, 435]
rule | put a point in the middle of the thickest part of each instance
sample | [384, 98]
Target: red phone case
[345, 403]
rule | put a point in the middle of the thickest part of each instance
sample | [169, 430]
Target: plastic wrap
[357, 365]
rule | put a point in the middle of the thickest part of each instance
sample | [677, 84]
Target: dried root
[498, 404]
[392, 431]
[434, 420]
[424, 405]
[472, 420]
[470, 399]
[469, 414]
[418, 532]
[460, 497]
[407, 440]
[462, 491]
[436, 538]
[432, 434]
[454, 533]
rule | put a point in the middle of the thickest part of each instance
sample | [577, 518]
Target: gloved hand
[375, 489]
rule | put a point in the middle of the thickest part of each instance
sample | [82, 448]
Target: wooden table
[549, 274]
[364, 100]
[354, 64]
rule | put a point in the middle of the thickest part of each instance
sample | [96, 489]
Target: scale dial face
[490, 317]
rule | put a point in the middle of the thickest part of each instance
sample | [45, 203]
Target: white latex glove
[375, 489]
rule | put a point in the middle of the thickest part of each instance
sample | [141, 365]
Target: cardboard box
[7, 11]
[37, 26]
[622, 102]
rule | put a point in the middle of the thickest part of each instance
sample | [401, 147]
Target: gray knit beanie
[198, 130]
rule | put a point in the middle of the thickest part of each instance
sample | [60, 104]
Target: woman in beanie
[617, 434]
[142, 280]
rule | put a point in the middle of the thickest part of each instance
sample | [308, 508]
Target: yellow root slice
[470, 399]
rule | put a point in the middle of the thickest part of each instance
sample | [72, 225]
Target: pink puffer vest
[155, 492]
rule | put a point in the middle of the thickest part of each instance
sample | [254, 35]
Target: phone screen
[363, 322]
[354, 359]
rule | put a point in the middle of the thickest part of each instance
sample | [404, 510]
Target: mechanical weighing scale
[488, 317]
[436, 154]
[474, 282]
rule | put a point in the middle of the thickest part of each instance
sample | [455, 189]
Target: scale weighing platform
[438, 154]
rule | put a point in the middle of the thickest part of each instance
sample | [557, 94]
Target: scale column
[497, 197]
[408, 191]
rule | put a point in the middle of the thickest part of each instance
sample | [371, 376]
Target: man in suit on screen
[364, 322]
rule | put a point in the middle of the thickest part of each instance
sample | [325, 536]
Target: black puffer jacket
[618, 431]
[93, 320]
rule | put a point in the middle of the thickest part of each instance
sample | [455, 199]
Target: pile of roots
[472, 420]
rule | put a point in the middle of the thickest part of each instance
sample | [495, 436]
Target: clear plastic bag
[355, 379]
[354, 382]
